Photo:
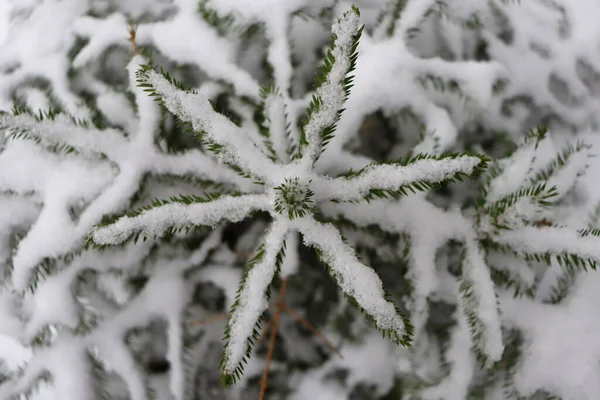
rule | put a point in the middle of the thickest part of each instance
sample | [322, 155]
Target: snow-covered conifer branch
[223, 23]
[594, 217]
[110, 194]
[571, 249]
[417, 173]
[437, 84]
[274, 125]
[478, 296]
[148, 113]
[525, 202]
[251, 301]
[178, 213]
[512, 273]
[563, 286]
[561, 160]
[511, 173]
[564, 170]
[388, 18]
[62, 130]
[360, 283]
[333, 87]
[521, 220]
[266, 125]
[290, 196]
[503, 371]
[405, 237]
[479, 303]
[230, 143]
[72, 174]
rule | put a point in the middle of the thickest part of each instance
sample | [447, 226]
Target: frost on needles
[491, 257]
[517, 208]
[290, 190]
[102, 155]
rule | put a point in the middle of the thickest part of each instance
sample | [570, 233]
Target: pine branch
[63, 133]
[418, 173]
[571, 249]
[219, 135]
[274, 125]
[560, 161]
[332, 89]
[497, 183]
[251, 301]
[389, 17]
[176, 214]
[539, 195]
[360, 283]
[479, 304]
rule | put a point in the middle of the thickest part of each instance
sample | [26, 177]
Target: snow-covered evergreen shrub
[140, 205]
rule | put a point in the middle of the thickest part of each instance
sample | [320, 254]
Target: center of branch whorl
[293, 198]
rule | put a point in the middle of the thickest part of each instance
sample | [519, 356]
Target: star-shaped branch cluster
[291, 193]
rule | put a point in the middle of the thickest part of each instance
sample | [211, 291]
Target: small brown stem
[264, 331]
[273, 323]
[132, 33]
[280, 306]
[313, 330]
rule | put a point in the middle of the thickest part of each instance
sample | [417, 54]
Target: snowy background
[574, 326]
[4, 9]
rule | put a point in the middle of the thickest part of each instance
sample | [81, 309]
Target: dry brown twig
[273, 322]
[275, 318]
[131, 39]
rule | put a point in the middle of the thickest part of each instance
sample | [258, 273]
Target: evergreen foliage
[165, 167]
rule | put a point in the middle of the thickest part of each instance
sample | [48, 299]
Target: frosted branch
[157, 220]
[479, 302]
[238, 148]
[62, 130]
[551, 240]
[394, 177]
[358, 281]
[252, 299]
[331, 94]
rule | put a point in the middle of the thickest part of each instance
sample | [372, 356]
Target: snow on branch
[197, 49]
[570, 248]
[360, 283]
[148, 111]
[178, 213]
[111, 192]
[512, 172]
[412, 14]
[523, 174]
[515, 206]
[223, 137]
[564, 170]
[417, 173]
[526, 204]
[61, 130]
[194, 163]
[479, 303]
[333, 87]
[274, 125]
[251, 302]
